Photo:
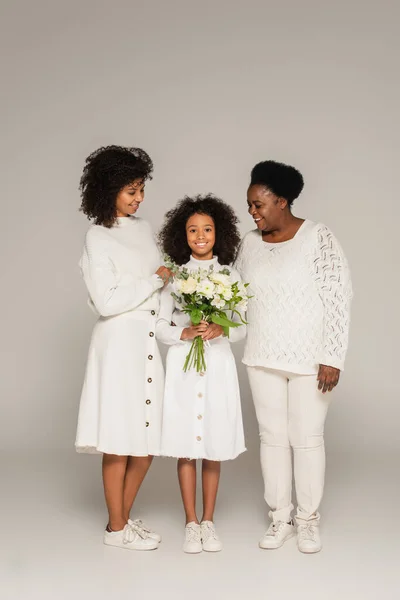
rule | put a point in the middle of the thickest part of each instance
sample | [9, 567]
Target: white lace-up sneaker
[209, 537]
[192, 543]
[130, 537]
[276, 535]
[151, 534]
[308, 538]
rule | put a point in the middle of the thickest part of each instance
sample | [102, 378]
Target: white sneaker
[130, 537]
[209, 537]
[308, 538]
[192, 543]
[276, 535]
[151, 534]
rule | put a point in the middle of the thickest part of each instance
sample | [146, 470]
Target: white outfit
[202, 416]
[291, 412]
[298, 319]
[300, 311]
[121, 404]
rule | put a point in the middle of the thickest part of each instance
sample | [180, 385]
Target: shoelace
[307, 532]
[208, 531]
[141, 525]
[132, 532]
[192, 534]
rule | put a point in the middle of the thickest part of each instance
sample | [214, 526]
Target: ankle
[207, 518]
[115, 525]
[192, 520]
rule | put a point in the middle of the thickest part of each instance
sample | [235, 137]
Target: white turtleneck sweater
[299, 315]
[118, 265]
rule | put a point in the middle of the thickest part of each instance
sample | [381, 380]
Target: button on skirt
[121, 404]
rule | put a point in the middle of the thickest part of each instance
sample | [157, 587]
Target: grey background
[208, 89]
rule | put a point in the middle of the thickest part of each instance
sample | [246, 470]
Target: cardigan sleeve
[110, 292]
[332, 276]
[165, 332]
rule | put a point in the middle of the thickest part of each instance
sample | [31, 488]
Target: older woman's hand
[328, 378]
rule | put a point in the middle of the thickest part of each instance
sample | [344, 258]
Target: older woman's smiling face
[264, 207]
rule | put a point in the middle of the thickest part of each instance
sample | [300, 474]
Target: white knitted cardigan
[300, 311]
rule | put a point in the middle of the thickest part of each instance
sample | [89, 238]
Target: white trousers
[291, 413]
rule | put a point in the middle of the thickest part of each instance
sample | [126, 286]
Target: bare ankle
[116, 525]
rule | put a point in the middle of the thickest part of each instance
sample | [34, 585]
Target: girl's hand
[213, 331]
[165, 274]
[189, 333]
[328, 378]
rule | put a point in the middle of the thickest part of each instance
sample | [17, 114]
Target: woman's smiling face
[130, 198]
[200, 235]
[264, 207]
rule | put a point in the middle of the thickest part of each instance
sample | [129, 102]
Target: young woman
[120, 409]
[202, 416]
[297, 338]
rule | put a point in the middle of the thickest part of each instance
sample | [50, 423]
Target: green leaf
[195, 316]
[223, 320]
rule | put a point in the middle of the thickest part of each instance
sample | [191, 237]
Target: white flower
[242, 305]
[205, 288]
[220, 278]
[227, 293]
[188, 286]
[218, 302]
[242, 290]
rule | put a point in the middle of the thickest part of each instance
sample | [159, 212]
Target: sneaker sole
[213, 550]
[279, 545]
[130, 547]
[309, 551]
[193, 551]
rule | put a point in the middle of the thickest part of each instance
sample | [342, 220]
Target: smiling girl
[202, 417]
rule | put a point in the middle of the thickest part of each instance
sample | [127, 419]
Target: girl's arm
[165, 332]
[110, 292]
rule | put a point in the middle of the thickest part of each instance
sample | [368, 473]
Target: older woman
[121, 404]
[296, 346]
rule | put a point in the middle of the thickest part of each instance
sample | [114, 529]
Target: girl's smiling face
[200, 234]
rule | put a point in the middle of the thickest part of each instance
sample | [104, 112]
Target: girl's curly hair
[172, 236]
[106, 172]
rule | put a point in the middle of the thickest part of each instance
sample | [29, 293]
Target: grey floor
[53, 517]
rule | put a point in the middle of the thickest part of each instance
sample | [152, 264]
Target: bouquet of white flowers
[207, 295]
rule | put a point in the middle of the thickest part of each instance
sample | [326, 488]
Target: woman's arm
[165, 332]
[332, 276]
[111, 293]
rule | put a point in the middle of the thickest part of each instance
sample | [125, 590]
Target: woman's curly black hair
[106, 172]
[283, 180]
[172, 236]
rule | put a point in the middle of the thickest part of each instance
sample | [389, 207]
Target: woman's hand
[213, 331]
[189, 333]
[165, 274]
[328, 378]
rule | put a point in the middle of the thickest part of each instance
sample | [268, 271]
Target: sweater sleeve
[236, 334]
[112, 293]
[165, 332]
[332, 276]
